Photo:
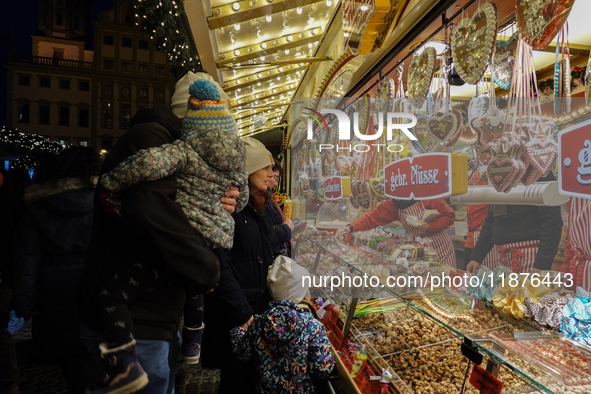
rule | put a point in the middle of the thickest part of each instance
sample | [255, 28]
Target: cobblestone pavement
[39, 375]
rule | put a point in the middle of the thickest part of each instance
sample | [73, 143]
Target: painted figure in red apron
[577, 254]
[396, 210]
[526, 235]
[475, 216]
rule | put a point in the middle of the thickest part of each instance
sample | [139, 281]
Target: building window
[125, 92]
[83, 143]
[44, 82]
[108, 90]
[126, 67]
[64, 142]
[84, 86]
[24, 80]
[64, 84]
[58, 53]
[124, 116]
[108, 65]
[159, 94]
[44, 117]
[143, 69]
[160, 71]
[64, 118]
[144, 44]
[126, 42]
[59, 18]
[107, 115]
[108, 40]
[143, 93]
[83, 118]
[24, 113]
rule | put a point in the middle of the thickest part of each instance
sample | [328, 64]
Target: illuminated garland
[27, 145]
[160, 19]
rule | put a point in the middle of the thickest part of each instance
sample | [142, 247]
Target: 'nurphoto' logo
[345, 129]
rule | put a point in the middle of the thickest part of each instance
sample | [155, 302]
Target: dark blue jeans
[157, 358]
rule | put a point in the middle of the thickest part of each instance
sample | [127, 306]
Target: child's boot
[191, 346]
[124, 373]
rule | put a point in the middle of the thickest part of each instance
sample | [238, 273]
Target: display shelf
[414, 324]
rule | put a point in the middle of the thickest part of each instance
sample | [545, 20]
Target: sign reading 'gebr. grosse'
[420, 178]
[574, 169]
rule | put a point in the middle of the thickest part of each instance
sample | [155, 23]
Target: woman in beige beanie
[242, 290]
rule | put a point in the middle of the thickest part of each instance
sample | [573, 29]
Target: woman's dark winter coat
[242, 290]
[52, 240]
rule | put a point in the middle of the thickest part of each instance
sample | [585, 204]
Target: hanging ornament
[503, 61]
[420, 75]
[540, 20]
[384, 96]
[473, 41]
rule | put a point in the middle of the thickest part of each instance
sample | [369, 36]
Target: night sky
[21, 17]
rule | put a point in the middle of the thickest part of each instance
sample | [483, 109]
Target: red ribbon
[515, 265]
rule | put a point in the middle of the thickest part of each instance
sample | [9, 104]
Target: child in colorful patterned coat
[206, 161]
[288, 344]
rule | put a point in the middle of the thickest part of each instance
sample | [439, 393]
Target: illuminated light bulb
[256, 96]
[237, 52]
[279, 78]
[238, 82]
[262, 58]
[269, 18]
[274, 90]
[258, 84]
[299, 10]
[236, 6]
[259, 75]
[287, 51]
[364, 8]
[289, 38]
[264, 45]
[280, 69]
[239, 102]
[328, 3]
[315, 31]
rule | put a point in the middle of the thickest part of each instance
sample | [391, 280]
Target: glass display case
[422, 336]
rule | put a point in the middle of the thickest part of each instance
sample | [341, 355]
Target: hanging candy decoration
[420, 75]
[473, 41]
[503, 61]
[385, 96]
[540, 20]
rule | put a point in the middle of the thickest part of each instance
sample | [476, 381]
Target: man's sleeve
[381, 215]
[446, 215]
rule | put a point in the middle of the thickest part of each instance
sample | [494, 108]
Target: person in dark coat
[51, 243]
[242, 290]
[281, 225]
[153, 228]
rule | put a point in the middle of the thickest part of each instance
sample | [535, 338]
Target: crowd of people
[171, 245]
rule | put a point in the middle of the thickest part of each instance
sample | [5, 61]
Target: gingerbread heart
[343, 163]
[540, 20]
[484, 155]
[420, 74]
[491, 125]
[473, 41]
[361, 193]
[376, 185]
[501, 173]
[503, 61]
[541, 155]
[445, 127]
[530, 175]
[425, 142]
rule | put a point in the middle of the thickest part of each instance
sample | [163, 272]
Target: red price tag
[485, 382]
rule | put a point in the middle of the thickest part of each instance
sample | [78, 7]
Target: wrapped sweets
[287, 209]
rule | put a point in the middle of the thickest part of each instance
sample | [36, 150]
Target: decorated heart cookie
[343, 163]
[503, 61]
[445, 127]
[360, 190]
[473, 41]
[420, 74]
[354, 202]
[376, 185]
[501, 173]
[530, 175]
[491, 125]
[425, 141]
[541, 155]
[540, 20]
[484, 154]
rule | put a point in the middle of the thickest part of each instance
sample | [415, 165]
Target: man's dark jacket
[154, 230]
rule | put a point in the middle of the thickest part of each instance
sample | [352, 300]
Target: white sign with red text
[420, 178]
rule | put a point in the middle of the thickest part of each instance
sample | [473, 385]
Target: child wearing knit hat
[289, 345]
[207, 159]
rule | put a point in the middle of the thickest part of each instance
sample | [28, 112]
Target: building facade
[80, 97]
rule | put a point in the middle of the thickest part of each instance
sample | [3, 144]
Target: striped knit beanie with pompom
[206, 108]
